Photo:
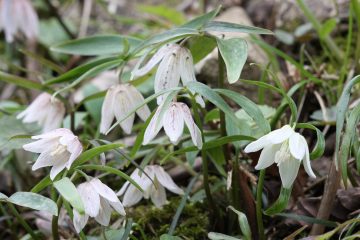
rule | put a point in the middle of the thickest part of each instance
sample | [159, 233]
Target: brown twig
[331, 186]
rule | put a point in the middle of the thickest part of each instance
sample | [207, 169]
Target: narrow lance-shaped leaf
[200, 21]
[214, 98]
[281, 203]
[346, 142]
[244, 224]
[342, 107]
[68, 191]
[34, 201]
[320, 143]
[96, 45]
[234, 27]
[234, 51]
[249, 107]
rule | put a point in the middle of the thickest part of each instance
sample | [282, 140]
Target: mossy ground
[192, 224]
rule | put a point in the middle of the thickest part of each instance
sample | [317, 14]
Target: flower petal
[193, 128]
[158, 195]
[156, 58]
[280, 135]
[132, 196]
[166, 181]
[79, 220]
[288, 171]
[107, 110]
[59, 163]
[137, 98]
[306, 160]
[118, 207]
[123, 189]
[90, 198]
[44, 160]
[153, 128]
[267, 156]
[297, 146]
[103, 190]
[257, 145]
[167, 76]
[123, 106]
[173, 122]
[104, 213]
[40, 145]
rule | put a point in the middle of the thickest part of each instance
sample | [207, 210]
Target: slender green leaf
[91, 153]
[307, 219]
[23, 82]
[249, 107]
[244, 224]
[281, 203]
[348, 136]
[91, 73]
[320, 143]
[113, 171]
[182, 205]
[96, 45]
[220, 236]
[342, 107]
[80, 70]
[46, 181]
[34, 201]
[199, 22]
[234, 27]
[214, 98]
[128, 226]
[234, 51]
[42, 60]
[69, 192]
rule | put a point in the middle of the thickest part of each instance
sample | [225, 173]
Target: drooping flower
[58, 148]
[153, 184]
[98, 200]
[119, 101]
[287, 149]
[176, 63]
[18, 15]
[173, 122]
[48, 112]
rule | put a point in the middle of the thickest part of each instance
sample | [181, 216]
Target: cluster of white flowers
[59, 147]
[18, 15]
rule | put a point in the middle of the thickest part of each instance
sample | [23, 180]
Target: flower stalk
[22, 221]
[259, 217]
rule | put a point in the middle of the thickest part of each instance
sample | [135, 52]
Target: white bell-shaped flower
[18, 15]
[287, 149]
[48, 112]
[176, 63]
[153, 185]
[173, 123]
[98, 200]
[58, 148]
[119, 101]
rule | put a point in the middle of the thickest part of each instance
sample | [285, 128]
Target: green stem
[22, 221]
[55, 219]
[205, 163]
[259, 193]
[221, 84]
[330, 44]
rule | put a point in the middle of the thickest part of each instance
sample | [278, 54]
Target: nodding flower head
[176, 63]
[287, 149]
[58, 148]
